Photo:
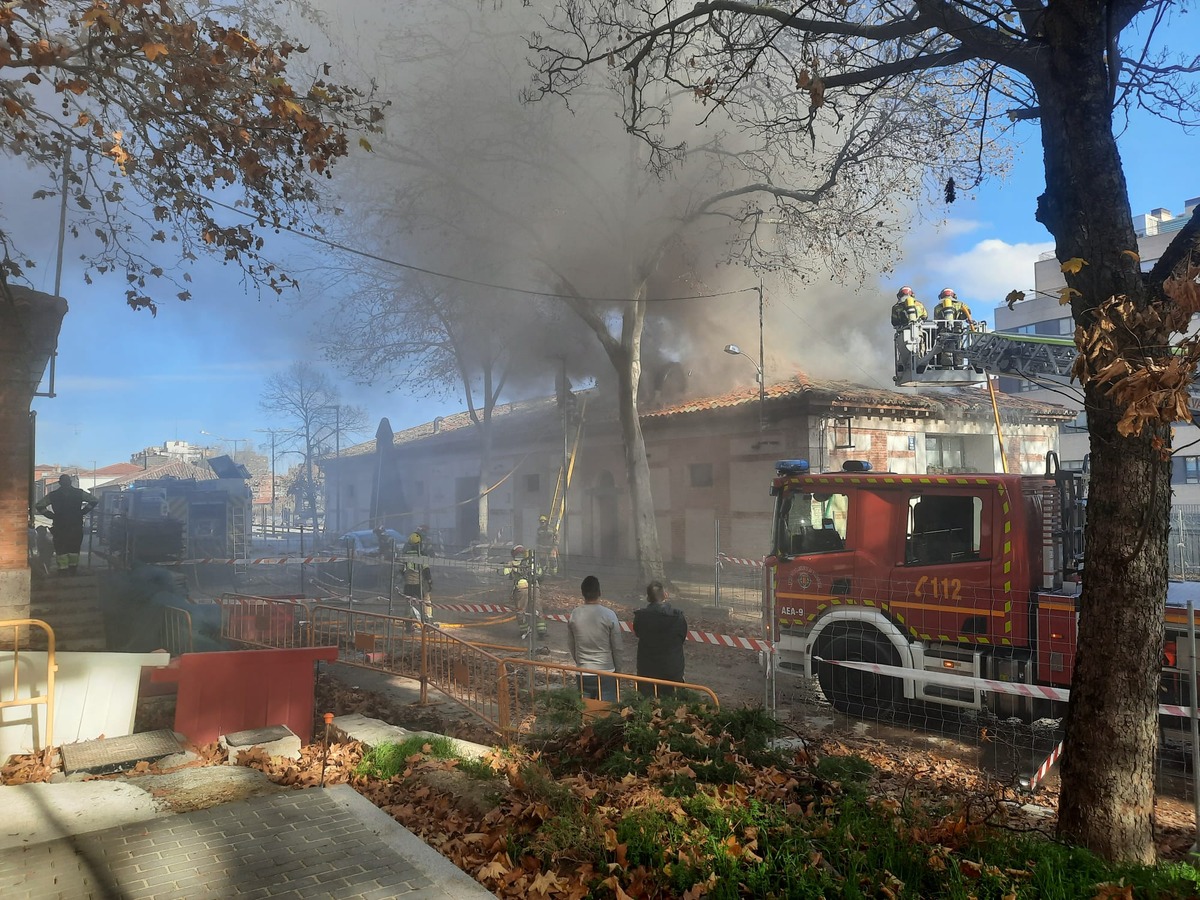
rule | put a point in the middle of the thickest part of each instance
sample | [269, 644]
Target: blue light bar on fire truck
[791, 467]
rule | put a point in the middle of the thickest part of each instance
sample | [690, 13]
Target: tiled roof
[839, 396]
[847, 396]
[184, 471]
[460, 420]
[121, 468]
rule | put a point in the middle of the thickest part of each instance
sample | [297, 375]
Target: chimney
[437, 424]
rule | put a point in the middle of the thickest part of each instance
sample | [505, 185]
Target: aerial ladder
[558, 506]
[954, 354]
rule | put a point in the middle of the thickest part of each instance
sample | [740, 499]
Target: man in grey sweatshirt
[594, 637]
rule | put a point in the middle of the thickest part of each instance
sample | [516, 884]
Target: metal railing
[528, 681]
[51, 667]
[177, 630]
[492, 681]
[264, 621]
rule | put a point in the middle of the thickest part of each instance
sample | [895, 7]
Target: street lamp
[735, 350]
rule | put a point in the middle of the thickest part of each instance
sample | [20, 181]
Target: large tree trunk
[485, 462]
[637, 466]
[1107, 795]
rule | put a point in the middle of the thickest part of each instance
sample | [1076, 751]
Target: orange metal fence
[51, 667]
[495, 682]
[529, 681]
[264, 621]
[177, 630]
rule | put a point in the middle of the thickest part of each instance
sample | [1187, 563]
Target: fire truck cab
[969, 576]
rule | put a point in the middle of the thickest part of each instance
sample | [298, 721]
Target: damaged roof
[841, 397]
[184, 471]
[848, 397]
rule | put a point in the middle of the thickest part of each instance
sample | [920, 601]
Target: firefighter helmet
[905, 291]
[947, 292]
[415, 537]
[542, 520]
[518, 552]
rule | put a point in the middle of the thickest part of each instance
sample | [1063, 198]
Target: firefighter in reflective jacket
[951, 309]
[418, 580]
[907, 308]
[522, 570]
[953, 318]
[547, 544]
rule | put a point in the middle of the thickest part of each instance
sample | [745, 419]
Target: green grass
[390, 759]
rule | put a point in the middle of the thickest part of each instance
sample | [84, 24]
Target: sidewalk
[315, 842]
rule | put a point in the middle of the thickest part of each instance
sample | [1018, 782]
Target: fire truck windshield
[810, 523]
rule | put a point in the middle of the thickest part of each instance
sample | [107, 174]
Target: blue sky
[126, 380]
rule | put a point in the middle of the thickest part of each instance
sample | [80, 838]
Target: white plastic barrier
[95, 694]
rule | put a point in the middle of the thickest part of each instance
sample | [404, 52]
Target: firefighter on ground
[67, 506]
[522, 570]
[907, 308]
[951, 309]
[547, 544]
[418, 580]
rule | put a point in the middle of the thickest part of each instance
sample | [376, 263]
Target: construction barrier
[528, 680]
[177, 630]
[501, 690]
[276, 622]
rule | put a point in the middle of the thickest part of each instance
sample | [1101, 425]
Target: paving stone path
[308, 843]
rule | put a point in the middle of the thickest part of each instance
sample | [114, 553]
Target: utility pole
[762, 366]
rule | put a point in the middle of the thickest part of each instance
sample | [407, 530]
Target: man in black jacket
[661, 630]
[66, 507]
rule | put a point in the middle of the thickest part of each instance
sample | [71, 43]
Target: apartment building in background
[1042, 314]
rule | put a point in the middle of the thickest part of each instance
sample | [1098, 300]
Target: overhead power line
[462, 278]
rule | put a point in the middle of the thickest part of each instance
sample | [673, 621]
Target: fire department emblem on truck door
[803, 578]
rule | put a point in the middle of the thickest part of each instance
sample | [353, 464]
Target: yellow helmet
[415, 537]
[542, 520]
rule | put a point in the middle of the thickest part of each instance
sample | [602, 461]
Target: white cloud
[982, 275]
[992, 268]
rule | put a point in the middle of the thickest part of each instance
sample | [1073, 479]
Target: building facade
[711, 464]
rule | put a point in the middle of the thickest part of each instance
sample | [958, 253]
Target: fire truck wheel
[854, 692]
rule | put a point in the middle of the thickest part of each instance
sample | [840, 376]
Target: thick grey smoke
[554, 196]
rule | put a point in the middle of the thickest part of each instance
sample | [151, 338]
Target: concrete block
[373, 732]
[274, 740]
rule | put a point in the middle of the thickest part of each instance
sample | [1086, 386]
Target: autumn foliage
[164, 116]
[1149, 383]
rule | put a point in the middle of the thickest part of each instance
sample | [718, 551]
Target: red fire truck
[970, 576]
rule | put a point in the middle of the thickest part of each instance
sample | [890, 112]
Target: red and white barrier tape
[726, 560]
[699, 637]
[433, 562]
[1044, 692]
[474, 607]
[1045, 767]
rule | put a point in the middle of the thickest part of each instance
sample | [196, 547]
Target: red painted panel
[1056, 641]
[235, 690]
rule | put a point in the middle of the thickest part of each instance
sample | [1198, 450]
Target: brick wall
[29, 324]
